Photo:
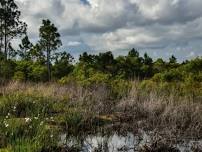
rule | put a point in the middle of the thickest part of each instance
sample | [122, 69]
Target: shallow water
[119, 143]
[187, 146]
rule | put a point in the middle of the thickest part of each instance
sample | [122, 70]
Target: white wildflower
[41, 123]
[6, 125]
[14, 108]
[28, 119]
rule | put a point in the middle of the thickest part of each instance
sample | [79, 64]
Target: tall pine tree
[49, 41]
[10, 24]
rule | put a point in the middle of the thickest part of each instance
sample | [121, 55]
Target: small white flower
[36, 118]
[28, 119]
[41, 123]
[6, 125]
[51, 136]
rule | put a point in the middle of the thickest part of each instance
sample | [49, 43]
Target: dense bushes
[190, 71]
[30, 71]
[93, 79]
[95, 69]
[7, 69]
[172, 75]
[99, 69]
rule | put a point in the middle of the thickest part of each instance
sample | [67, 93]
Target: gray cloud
[156, 26]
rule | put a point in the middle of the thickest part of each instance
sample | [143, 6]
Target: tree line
[43, 62]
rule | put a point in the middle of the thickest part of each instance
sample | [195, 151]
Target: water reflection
[119, 143]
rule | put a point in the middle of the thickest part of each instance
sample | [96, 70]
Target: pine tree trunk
[1, 43]
[48, 65]
[5, 37]
[1, 36]
[5, 46]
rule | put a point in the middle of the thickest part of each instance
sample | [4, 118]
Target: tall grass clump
[165, 107]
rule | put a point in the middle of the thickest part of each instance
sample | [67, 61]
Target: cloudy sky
[159, 27]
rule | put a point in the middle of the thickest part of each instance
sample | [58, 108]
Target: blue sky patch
[86, 2]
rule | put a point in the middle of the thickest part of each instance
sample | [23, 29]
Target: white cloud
[121, 24]
[73, 43]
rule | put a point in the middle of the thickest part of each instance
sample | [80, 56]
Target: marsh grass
[172, 113]
[34, 115]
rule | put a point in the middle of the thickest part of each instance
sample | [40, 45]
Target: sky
[159, 27]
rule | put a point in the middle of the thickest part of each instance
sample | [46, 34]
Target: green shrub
[148, 85]
[67, 80]
[19, 76]
[120, 87]
[38, 73]
[169, 76]
[7, 69]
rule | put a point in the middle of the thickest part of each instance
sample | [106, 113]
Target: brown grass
[170, 115]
